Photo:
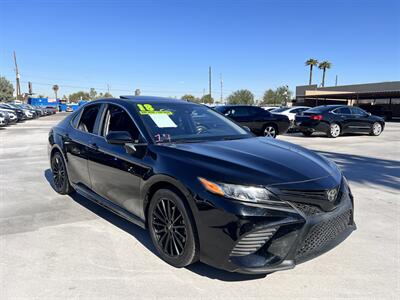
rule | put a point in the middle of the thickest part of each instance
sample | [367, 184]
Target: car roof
[149, 99]
[328, 107]
[128, 101]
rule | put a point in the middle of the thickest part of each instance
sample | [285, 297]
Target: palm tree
[324, 65]
[55, 89]
[311, 62]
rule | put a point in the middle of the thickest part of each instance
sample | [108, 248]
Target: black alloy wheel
[171, 229]
[307, 133]
[60, 176]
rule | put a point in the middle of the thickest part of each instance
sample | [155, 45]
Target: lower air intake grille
[253, 241]
[322, 233]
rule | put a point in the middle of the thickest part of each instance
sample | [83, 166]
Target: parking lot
[54, 246]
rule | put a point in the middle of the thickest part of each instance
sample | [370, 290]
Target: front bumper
[259, 240]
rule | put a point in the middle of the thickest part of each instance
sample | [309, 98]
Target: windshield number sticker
[148, 109]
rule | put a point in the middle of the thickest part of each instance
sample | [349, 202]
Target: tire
[175, 238]
[334, 130]
[376, 129]
[307, 133]
[270, 130]
[60, 176]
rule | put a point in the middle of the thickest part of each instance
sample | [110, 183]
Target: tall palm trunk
[55, 93]
[311, 67]
[323, 77]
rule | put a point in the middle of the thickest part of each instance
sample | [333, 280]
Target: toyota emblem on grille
[331, 194]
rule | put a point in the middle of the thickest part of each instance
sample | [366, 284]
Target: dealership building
[382, 98]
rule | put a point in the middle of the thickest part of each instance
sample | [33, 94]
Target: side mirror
[246, 128]
[119, 137]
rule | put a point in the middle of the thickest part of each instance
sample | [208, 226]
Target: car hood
[262, 161]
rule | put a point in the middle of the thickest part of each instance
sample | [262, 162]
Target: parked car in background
[3, 121]
[258, 120]
[335, 120]
[10, 115]
[216, 194]
[69, 109]
[22, 114]
[52, 109]
[290, 112]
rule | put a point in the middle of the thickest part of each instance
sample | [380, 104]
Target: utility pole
[336, 81]
[17, 83]
[209, 81]
[222, 84]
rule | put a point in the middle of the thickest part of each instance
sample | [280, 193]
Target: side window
[239, 111]
[357, 111]
[295, 111]
[343, 111]
[88, 118]
[117, 119]
[255, 110]
[75, 119]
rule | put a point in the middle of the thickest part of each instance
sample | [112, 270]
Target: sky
[164, 47]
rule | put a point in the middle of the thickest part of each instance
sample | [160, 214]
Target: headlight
[240, 192]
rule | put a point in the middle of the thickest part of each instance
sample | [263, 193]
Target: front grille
[252, 242]
[289, 195]
[322, 233]
[308, 210]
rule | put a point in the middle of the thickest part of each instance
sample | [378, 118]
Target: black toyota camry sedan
[258, 120]
[335, 120]
[204, 187]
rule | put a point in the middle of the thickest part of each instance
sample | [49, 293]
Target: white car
[290, 112]
[2, 120]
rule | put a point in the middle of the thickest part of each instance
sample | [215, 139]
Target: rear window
[317, 109]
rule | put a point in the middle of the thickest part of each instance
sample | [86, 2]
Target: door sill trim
[92, 196]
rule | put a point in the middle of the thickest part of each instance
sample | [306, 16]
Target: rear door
[343, 117]
[116, 172]
[78, 143]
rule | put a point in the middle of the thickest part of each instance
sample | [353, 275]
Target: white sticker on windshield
[162, 120]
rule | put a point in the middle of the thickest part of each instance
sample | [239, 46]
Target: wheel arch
[158, 182]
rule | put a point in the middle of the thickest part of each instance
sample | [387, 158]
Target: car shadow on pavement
[367, 170]
[143, 237]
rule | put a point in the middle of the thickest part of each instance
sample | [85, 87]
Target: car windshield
[280, 109]
[175, 122]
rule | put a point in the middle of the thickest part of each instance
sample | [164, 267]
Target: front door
[116, 172]
[360, 120]
[241, 115]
